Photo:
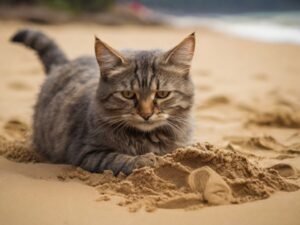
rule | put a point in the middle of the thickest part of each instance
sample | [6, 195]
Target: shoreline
[268, 27]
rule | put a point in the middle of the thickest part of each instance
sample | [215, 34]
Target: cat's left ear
[182, 54]
[108, 58]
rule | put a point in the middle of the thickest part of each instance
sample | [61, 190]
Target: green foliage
[79, 5]
[70, 5]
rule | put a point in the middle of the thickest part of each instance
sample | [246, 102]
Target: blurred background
[267, 20]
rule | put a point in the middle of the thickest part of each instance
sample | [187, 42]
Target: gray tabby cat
[139, 106]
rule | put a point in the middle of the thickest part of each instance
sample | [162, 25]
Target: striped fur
[82, 117]
[48, 52]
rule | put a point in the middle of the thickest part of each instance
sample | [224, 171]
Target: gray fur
[47, 50]
[81, 119]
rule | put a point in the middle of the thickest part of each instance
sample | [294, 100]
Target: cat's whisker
[175, 126]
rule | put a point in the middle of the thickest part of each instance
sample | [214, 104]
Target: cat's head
[146, 89]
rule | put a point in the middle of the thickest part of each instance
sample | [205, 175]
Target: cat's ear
[182, 54]
[107, 57]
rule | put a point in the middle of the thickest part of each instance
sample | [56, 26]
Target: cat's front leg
[96, 161]
[149, 159]
[126, 163]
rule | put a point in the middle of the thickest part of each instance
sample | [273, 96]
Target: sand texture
[191, 177]
[244, 165]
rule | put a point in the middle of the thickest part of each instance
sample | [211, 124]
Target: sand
[243, 167]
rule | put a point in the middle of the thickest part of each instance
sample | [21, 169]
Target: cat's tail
[49, 53]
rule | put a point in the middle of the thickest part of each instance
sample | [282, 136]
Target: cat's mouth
[147, 125]
[150, 124]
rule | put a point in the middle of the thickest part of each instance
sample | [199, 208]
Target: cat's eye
[128, 94]
[162, 94]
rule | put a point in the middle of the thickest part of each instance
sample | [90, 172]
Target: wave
[275, 28]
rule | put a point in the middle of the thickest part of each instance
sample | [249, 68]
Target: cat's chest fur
[156, 142]
[137, 143]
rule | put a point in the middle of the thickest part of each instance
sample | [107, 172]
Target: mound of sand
[15, 142]
[263, 143]
[18, 151]
[191, 177]
[277, 117]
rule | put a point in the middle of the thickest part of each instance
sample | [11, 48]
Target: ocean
[275, 27]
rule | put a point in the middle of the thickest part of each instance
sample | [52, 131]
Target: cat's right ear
[182, 54]
[108, 58]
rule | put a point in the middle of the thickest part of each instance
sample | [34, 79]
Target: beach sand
[244, 165]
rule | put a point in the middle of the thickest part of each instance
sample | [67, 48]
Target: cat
[117, 111]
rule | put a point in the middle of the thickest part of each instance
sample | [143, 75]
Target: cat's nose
[146, 115]
[145, 108]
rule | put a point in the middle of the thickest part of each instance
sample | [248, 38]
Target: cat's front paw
[148, 159]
